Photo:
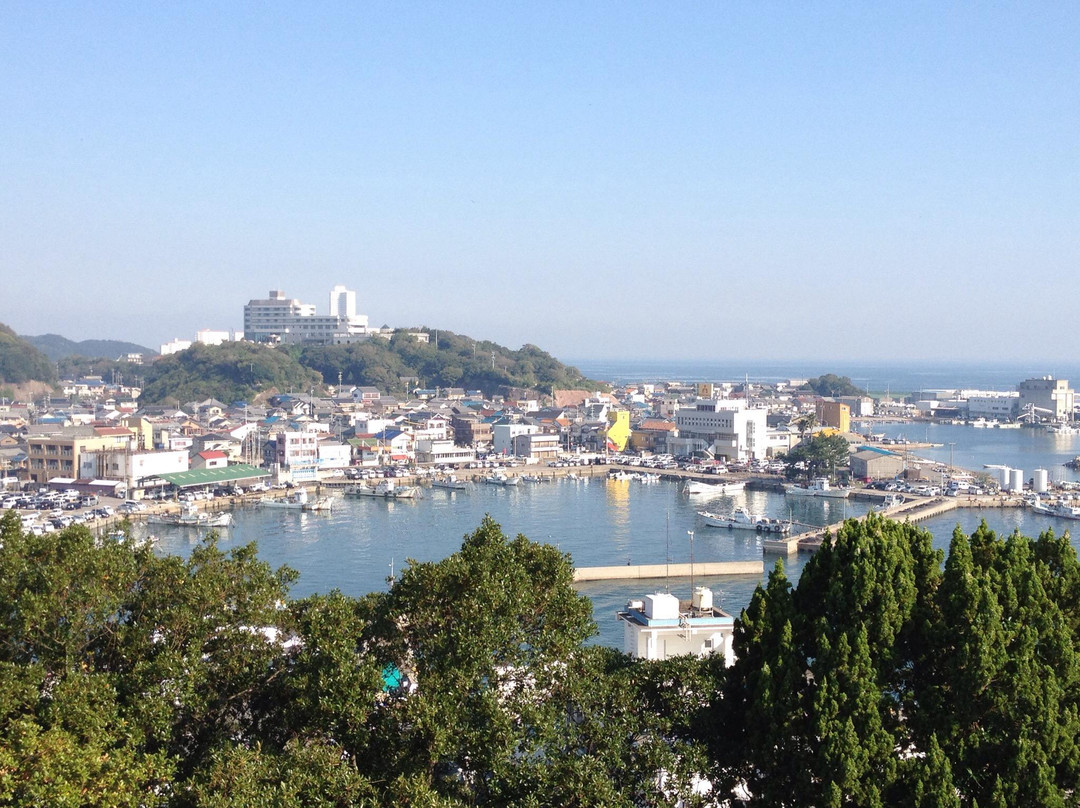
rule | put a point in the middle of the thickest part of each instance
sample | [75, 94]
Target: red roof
[212, 454]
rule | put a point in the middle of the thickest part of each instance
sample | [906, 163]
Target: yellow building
[833, 414]
[618, 431]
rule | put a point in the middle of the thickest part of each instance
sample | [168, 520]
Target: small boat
[191, 516]
[818, 487]
[386, 489]
[450, 483]
[742, 519]
[696, 488]
[532, 478]
[501, 479]
[298, 502]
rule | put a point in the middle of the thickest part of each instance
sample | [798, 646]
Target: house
[210, 459]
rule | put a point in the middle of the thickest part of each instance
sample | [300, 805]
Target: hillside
[57, 347]
[234, 371]
[21, 362]
[456, 361]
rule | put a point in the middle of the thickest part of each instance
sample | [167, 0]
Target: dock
[708, 569]
[913, 510]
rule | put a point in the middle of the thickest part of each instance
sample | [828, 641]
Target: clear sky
[694, 179]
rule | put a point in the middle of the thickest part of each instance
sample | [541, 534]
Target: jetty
[708, 569]
[912, 510]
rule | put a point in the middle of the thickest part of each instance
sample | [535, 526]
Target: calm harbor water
[599, 522]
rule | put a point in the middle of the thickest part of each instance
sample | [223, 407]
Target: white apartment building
[502, 436]
[280, 319]
[297, 453]
[736, 432]
[429, 452]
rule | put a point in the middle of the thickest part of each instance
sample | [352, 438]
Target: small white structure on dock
[660, 626]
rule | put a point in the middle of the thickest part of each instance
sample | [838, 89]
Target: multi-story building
[833, 414]
[280, 319]
[60, 454]
[471, 430]
[732, 430]
[297, 453]
[1048, 396]
[536, 446]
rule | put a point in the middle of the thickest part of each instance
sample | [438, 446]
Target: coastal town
[64, 454]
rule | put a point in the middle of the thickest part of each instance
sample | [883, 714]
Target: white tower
[342, 302]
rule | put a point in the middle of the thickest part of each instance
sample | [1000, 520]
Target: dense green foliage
[57, 347]
[21, 362]
[818, 456]
[233, 371]
[884, 678]
[831, 385]
[456, 361]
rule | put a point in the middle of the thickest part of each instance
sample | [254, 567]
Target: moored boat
[190, 516]
[698, 488]
[742, 519]
[299, 501]
[450, 483]
[818, 487]
[501, 479]
[386, 489]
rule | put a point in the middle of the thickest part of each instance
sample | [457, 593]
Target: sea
[364, 543]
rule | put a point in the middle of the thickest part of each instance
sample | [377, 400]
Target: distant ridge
[57, 347]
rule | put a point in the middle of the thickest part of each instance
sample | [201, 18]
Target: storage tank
[1003, 477]
[702, 598]
[1016, 479]
[1041, 481]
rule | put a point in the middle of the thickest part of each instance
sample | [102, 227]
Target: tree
[820, 456]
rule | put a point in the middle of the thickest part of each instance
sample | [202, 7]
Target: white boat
[698, 488]
[1061, 510]
[819, 487]
[385, 489]
[742, 519]
[501, 479]
[532, 478]
[299, 501]
[450, 483]
[190, 516]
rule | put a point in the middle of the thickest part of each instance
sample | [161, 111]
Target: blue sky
[694, 180]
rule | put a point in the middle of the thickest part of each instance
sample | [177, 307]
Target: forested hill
[57, 347]
[21, 362]
[234, 371]
[448, 360]
[241, 370]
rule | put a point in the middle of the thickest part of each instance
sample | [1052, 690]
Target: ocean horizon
[873, 376]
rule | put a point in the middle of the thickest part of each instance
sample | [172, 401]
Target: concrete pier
[708, 569]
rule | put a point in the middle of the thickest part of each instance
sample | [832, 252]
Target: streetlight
[691, 534]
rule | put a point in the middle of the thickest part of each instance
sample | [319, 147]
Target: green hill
[21, 362]
[234, 371]
[455, 361]
[57, 347]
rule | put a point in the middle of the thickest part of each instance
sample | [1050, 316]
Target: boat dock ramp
[912, 510]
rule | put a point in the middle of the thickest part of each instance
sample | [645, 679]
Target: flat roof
[193, 477]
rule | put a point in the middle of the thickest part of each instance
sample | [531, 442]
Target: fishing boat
[742, 519]
[501, 479]
[386, 489]
[191, 516]
[818, 487]
[299, 501]
[698, 488]
[1060, 510]
[450, 483]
